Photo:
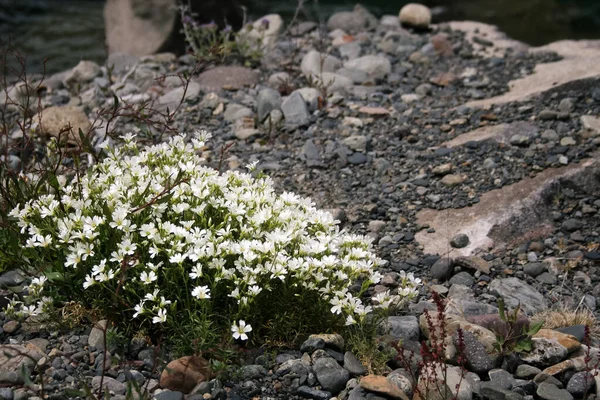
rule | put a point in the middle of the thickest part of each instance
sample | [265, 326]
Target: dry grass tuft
[562, 317]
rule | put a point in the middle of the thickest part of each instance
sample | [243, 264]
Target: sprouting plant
[515, 332]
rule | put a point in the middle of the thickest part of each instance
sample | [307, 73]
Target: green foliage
[209, 43]
[515, 334]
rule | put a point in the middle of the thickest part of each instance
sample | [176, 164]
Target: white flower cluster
[161, 210]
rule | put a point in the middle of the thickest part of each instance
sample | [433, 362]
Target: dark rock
[576, 330]
[478, 360]
[310, 393]
[311, 344]
[571, 225]
[330, 374]
[580, 383]
[353, 365]
[169, 395]
[462, 278]
[548, 391]
[459, 241]
[534, 269]
[442, 268]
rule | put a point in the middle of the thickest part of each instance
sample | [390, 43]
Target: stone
[169, 395]
[13, 358]
[64, 123]
[353, 364]
[120, 63]
[333, 82]
[379, 384]
[462, 278]
[332, 340]
[580, 384]
[569, 342]
[544, 352]
[502, 379]
[356, 142]
[315, 63]
[96, 336]
[330, 374]
[376, 67]
[226, 77]
[181, 94]
[311, 344]
[571, 225]
[403, 379]
[591, 125]
[473, 263]
[516, 292]
[310, 393]
[442, 268]
[253, 371]
[83, 72]
[459, 241]
[267, 101]
[153, 26]
[11, 327]
[452, 180]
[184, 373]
[415, 15]
[477, 358]
[525, 371]
[311, 96]
[264, 33]
[548, 391]
[534, 269]
[404, 328]
[352, 21]
[295, 110]
[235, 112]
[108, 383]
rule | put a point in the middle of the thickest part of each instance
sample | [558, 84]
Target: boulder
[184, 373]
[415, 15]
[141, 27]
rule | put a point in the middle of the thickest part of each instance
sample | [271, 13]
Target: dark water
[66, 31]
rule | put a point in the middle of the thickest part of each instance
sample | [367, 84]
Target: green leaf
[535, 328]
[524, 345]
[501, 309]
[70, 392]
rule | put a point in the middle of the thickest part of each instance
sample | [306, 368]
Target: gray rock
[310, 96]
[267, 101]
[255, 371]
[442, 268]
[571, 225]
[548, 391]
[315, 63]
[96, 337]
[516, 292]
[403, 379]
[546, 115]
[174, 96]
[358, 393]
[310, 393]
[459, 241]
[502, 379]
[580, 383]
[546, 277]
[534, 269]
[353, 365]
[357, 158]
[121, 62]
[109, 383]
[235, 111]
[525, 371]
[550, 135]
[312, 154]
[405, 328]
[489, 391]
[352, 21]
[519, 140]
[462, 278]
[311, 344]
[11, 278]
[423, 89]
[169, 395]
[83, 72]
[350, 50]
[330, 374]
[489, 163]
[357, 76]
[356, 142]
[566, 105]
[295, 110]
[478, 360]
[6, 394]
[278, 79]
[545, 352]
[376, 67]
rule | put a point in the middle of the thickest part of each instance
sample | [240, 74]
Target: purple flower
[265, 23]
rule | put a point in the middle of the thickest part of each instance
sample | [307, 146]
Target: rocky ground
[470, 159]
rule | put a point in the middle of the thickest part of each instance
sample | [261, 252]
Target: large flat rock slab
[500, 133]
[581, 60]
[506, 214]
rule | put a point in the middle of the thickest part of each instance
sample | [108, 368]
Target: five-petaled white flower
[148, 278]
[239, 331]
[201, 292]
[161, 317]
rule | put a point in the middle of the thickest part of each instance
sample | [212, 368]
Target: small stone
[567, 141]
[442, 268]
[109, 383]
[353, 364]
[405, 328]
[330, 374]
[518, 293]
[459, 241]
[379, 384]
[11, 326]
[295, 110]
[332, 340]
[311, 344]
[442, 170]
[566, 105]
[376, 67]
[96, 337]
[548, 391]
[571, 225]
[267, 101]
[310, 393]
[534, 269]
[415, 15]
[452, 180]
[315, 63]
[525, 371]
[545, 115]
[475, 353]
[184, 373]
[545, 352]
[580, 384]
[376, 226]
[462, 278]
[501, 378]
[83, 72]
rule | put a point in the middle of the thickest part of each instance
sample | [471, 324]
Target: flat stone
[184, 373]
[501, 133]
[506, 214]
[580, 60]
[330, 374]
[570, 342]
[181, 94]
[108, 383]
[516, 292]
[226, 77]
[405, 328]
[548, 391]
[379, 384]
[310, 393]
[295, 110]
[353, 364]
[544, 352]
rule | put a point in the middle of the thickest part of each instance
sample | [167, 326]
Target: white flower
[239, 331]
[139, 309]
[201, 292]
[89, 281]
[337, 305]
[161, 317]
[350, 320]
[254, 290]
[148, 278]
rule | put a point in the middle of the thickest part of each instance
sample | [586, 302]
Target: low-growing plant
[515, 332]
[158, 241]
[209, 42]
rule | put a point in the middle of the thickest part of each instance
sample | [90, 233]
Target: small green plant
[515, 332]
[208, 42]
